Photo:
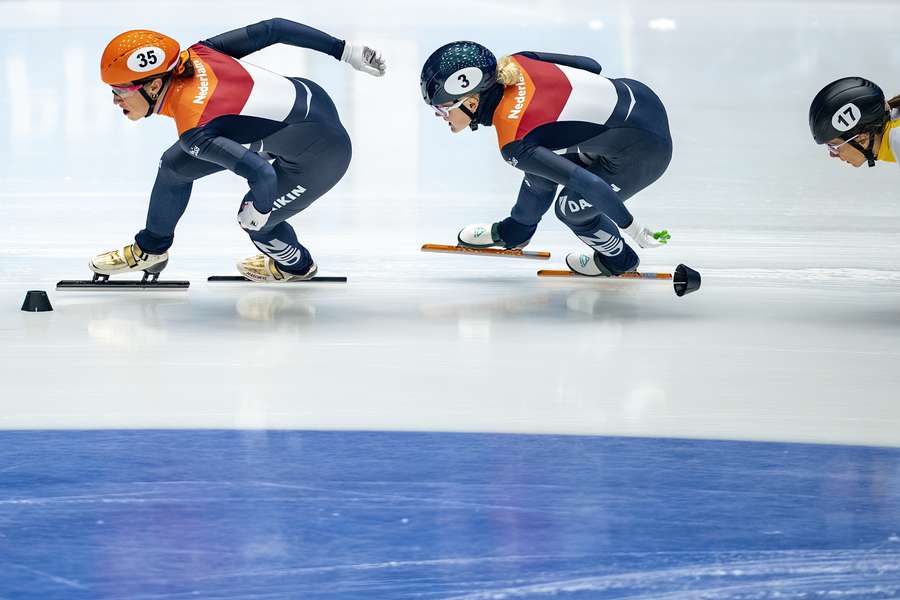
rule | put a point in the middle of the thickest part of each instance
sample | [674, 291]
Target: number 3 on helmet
[137, 55]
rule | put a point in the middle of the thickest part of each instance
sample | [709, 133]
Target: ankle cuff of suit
[152, 243]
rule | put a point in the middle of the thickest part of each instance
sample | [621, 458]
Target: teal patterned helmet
[456, 70]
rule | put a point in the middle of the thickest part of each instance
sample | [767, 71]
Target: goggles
[123, 91]
[444, 111]
[833, 148]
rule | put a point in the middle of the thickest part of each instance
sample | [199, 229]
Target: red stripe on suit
[551, 92]
[233, 88]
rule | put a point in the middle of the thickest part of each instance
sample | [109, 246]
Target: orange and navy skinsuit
[282, 134]
[564, 124]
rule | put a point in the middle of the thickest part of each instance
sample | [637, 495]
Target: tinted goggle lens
[445, 110]
[833, 148]
[123, 91]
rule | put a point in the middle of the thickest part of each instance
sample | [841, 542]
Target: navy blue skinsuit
[286, 138]
[603, 142]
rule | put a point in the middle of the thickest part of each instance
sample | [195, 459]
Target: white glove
[646, 238]
[365, 59]
[251, 219]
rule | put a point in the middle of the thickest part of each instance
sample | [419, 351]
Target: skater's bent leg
[596, 230]
[627, 160]
[535, 197]
[281, 245]
[303, 178]
[320, 161]
[620, 164]
[169, 198]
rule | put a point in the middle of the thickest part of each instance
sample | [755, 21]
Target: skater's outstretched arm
[569, 60]
[247, 40]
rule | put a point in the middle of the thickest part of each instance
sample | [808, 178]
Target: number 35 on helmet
[138, 55]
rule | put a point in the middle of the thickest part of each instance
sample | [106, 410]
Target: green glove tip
[662, 237]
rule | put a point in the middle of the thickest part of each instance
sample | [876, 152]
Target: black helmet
[845, 108]
[457, 70]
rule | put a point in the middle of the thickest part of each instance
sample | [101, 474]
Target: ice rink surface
[793, 337]
[262, 514]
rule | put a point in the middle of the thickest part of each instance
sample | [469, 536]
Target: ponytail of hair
[508, 72]
[185, 68]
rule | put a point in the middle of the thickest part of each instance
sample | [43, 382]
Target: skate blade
[632, 275]
[514, 253]
[108, 285]
[242, 279]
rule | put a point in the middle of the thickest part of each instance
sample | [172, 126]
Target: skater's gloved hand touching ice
[365, 59]
[646, 238]
[251, 219]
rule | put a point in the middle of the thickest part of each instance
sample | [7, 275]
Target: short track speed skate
[262, 269]
[484, 239]
[511, 252]
[131, 259]
[685, 279]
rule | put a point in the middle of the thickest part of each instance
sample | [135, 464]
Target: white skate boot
[483, 235]
[480, 235]
[591, 265]
[130, 259]
[263, 268]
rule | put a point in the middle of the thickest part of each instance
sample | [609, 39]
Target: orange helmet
[136, 55]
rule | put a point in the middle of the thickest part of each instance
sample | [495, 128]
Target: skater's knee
[340, 154]
[573, 210]
[346, 156]
[338, 166]
[322, 168]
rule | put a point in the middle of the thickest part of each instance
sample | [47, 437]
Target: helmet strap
[867, 151]
[473, 124]
[151, 102]
[870, 155]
